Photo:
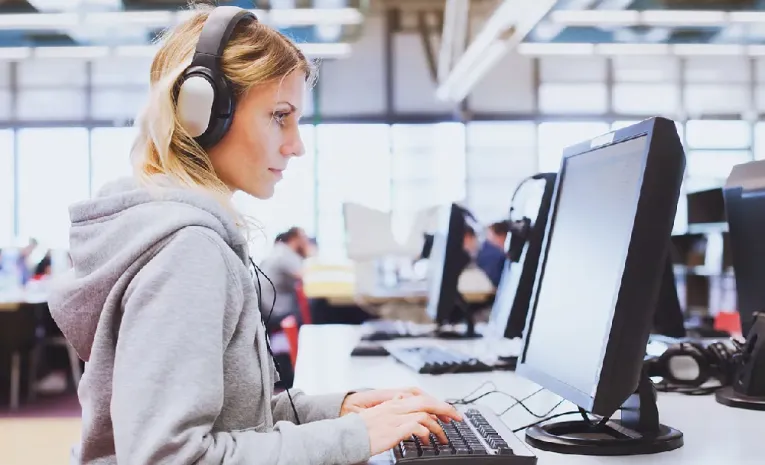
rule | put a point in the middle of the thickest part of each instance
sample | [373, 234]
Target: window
[710, 134]
[52, 175]
[555, 137]
[714, 164]
[353, 164]
[110, 155]
[499, 156]
[428, 169]
[7, 199]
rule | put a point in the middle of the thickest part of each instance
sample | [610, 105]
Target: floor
[40, 434]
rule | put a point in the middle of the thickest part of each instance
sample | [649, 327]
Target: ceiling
[325, 28]
[656, 23]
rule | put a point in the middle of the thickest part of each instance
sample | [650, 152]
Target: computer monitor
[448, 259]
[668, 319]
[745, 212]
[511, 304]
[597, 286]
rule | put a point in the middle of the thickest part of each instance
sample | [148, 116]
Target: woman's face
[263, 136]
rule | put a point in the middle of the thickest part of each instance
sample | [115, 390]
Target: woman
[163, 305]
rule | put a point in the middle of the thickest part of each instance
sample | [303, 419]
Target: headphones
[520, 229]
[205, 100]
[686, 367]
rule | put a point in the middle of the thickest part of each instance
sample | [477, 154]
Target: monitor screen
[586, 254]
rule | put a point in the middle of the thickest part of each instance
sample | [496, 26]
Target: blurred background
[418, 103]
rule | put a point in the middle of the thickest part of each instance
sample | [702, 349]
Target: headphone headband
[216, 33]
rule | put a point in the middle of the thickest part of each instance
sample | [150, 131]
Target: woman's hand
[359, 401]
[395, 420]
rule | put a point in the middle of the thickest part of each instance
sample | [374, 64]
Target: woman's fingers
[427, 404]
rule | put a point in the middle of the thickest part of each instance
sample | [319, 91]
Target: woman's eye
[280, 117]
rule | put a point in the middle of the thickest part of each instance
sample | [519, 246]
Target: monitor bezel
[640, 281]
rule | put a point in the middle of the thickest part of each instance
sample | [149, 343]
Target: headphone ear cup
[195, 104]
[222, 115]
[676, 361]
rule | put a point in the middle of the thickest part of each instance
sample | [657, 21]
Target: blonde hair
[256, 54]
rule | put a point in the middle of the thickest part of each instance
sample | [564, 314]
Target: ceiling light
[746, 16]
[136, 51]
[538, 49]
[632, 49]
[328, 50]
[595, 17]
[708, 49]
[15, 53]
[682, 18]
[314, 16]
[71, 52]
[133, 18]
[31, 21]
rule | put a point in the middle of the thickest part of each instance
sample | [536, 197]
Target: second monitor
[597, 288]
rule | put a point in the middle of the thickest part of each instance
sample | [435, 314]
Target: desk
[734, 436]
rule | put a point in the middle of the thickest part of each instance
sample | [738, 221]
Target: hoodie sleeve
[168, 376]
[310, 408]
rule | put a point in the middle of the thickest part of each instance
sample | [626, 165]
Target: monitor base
[612, 439]
[638, 432]
[728, 396]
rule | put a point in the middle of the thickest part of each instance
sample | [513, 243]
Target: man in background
[284, 267]
[488, 255]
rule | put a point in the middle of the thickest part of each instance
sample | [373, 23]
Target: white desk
[713, 434]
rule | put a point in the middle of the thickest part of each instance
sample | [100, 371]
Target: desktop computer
[597, 287]
[508, 313]
[744, 195]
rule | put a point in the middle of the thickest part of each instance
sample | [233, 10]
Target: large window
[555, 137]
[499, 156]
[110, 155]
[353, 166]
[7, 197]
[428, 169]
[53, 174]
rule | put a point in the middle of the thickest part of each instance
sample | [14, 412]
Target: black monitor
[511, 304]
[597, 287]
[745, 211]
[448, 259]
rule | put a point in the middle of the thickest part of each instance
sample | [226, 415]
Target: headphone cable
[258, 291]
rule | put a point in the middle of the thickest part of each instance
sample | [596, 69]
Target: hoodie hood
[112, 231]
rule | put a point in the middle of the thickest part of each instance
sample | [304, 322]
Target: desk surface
[713, 434]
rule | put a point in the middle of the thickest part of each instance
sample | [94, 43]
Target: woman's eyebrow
[292, 107]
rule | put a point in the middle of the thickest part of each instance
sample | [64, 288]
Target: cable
[520, 402]
[557, 415]
[464, 399]
[258, 291]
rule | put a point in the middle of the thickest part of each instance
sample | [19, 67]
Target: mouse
[369, 350]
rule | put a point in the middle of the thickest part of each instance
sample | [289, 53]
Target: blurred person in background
[284, 266]
[162, 303]
[488, 254]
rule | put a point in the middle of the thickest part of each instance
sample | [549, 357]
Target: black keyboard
[481, 439]
[437, 361]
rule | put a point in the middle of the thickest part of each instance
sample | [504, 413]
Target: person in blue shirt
[489, 255]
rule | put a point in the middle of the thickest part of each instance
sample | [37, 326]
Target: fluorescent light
[755, 50]
[15, 53]
[71, 52]
[682, 17]
[632, 49]
[595, 17]
[132, 51]
[746, 16]
[132, 18]
[314, 16]
[328, 50]
[32, 21]
[539, 49]
[708, 49]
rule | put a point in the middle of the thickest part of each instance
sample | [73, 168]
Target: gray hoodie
[162, 307]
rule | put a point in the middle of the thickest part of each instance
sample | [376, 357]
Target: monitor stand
[748, 388]
[464, 309]
[637, 433]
